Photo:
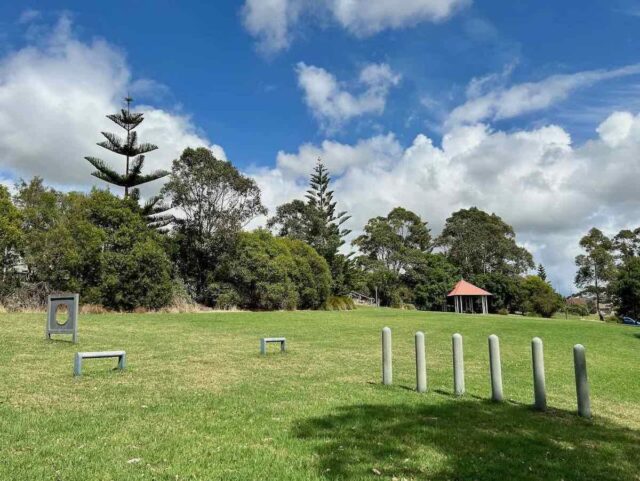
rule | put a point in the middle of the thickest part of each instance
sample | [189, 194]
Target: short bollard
[421, 363]
[582, 383]
[539, 388]
[387, 368]
[495, 368]
[458, 365]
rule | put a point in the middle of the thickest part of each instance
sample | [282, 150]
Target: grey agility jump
[80, 356]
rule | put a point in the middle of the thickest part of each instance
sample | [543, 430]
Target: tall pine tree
[542, 273]
[317, 223]
[327, 230]
[134, 155]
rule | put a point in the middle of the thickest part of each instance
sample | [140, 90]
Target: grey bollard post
[458, 365]
[582, 383]
[387, 368]
[77, 365]
[539, 388]
[495, 366]
[421, 363]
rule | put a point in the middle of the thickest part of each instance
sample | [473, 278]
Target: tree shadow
[464, 439]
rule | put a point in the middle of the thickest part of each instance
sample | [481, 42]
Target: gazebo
[464, 295]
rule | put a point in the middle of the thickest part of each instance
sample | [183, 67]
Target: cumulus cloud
[363, 17]
[489, 99]
[54, 95]
[549, 189]
[332, 104]
[273, 22]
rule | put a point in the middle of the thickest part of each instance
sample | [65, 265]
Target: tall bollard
[539, 388]
[387, 368]
[495, 368]
[458, 365]
[421, 363]
[582, 383]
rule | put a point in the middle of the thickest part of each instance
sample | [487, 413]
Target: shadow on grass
[469, 440]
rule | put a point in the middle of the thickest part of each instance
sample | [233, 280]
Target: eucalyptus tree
[214, 201]
[596, 266]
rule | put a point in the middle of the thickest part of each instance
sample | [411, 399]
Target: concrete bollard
[421, 363]
[495, 367]
[387, 362]
[539, 388]
[582, 383]
[458, 365]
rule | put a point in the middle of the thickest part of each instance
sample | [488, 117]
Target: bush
[339, 303]
[95, 244]
[577, 310]
[540, 297]
[139, 278]
[275, 273]
[503, 311]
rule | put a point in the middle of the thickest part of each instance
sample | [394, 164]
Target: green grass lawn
[197, 401]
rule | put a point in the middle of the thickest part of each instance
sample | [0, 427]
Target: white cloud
[550, 190]
[270, 21]
[273, 22]
[54, 95]
[330, 101]
[364, 17]
[499, 102]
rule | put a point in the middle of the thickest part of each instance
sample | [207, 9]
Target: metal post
[495, 368]
[421, 363]
[458, 365]
[387, 369]
[539, 388]
[582, 383]
[77, 365]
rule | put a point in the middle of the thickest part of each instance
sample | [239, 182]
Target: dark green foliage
[11, 238]
[397, 262]
[275, 273]
[596, 266]
[542, 273]
[137, 278]
[128, 148]
[95, 244]
[481, 243]
[394, 239]
[216, 201]
[317, 223]
[539, 297]
[626, 288]
[577, 310]
[339, 303]
[506, 289]
[431, 277]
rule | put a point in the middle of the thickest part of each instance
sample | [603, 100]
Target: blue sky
[534, 97]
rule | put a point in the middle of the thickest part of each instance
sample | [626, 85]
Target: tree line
[609, 270]
[189, 241]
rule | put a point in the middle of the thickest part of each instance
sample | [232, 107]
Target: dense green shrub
[275, 273]
[540, 297]
[138, 278]
[96, 244]
[577, 310]
[340, 303]
[502, 311]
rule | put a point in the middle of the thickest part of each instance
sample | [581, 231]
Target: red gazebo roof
[464, 288]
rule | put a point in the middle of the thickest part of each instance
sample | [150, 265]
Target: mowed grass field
[198, 402]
